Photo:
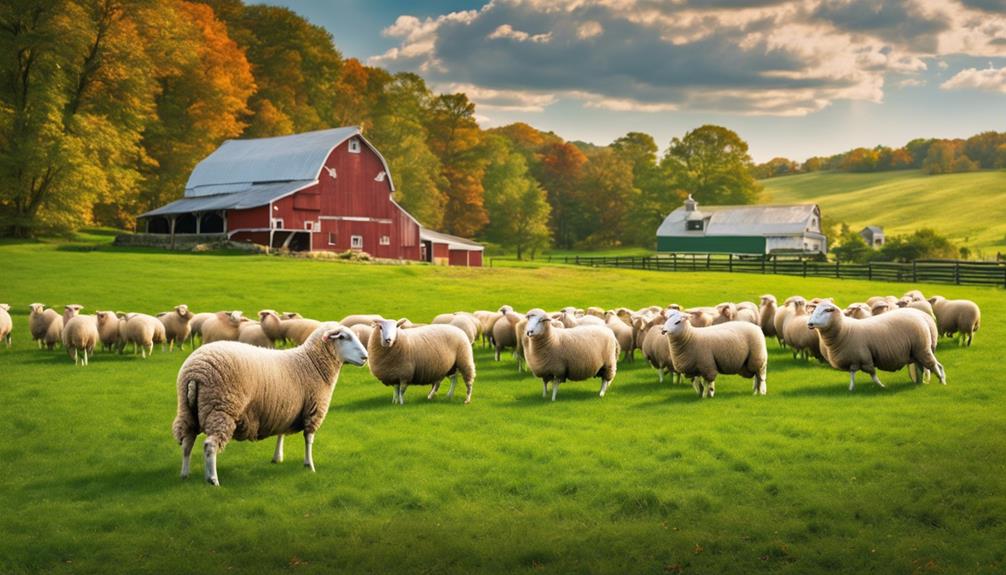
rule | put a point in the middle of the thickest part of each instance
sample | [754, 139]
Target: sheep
[250, 332]
[888, 342]
[45, 325]
[6, 324]
[176, 325]
[960, 316]
[578, 353]
[803, 341]
[623, 333]
[354, 319]
[728, 348]
[229, 390]
[467, 324]
[80, 336]
[914, 295]
[108, 329]
[781, 315]
[766, 315]
[223, 326]
[922, 305]
[422, 355]
[880, 307]
[725, 312]
[290, 315]
[594, 311]
[444, 318]
[700, 317]
[486, 321]
[143, 331]
[657, 348]
[748, 311]
[363, 331]
[122, 319]
[857, 311]
[570, 320]
[504, 332]
[71, 310]
[196, 326]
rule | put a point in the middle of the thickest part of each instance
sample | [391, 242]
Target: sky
[793, 78]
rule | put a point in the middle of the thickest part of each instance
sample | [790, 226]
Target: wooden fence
[952, 272]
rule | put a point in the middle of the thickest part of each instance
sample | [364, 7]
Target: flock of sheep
[237, 385]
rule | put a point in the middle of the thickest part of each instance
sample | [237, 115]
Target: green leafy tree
[605, 197]
[655, 198]
[712, 164]
[924, 243]
[560, 171]
[517, 206]
[850, 246]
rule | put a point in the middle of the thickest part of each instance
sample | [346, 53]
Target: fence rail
[952, 272]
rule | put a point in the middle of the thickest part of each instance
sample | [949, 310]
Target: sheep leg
[873, 376]
[277, 456]
[401, 392]
[308, 450]
[454, 381]
[210, 461]
[710, 389]
[76, 359]
[85, 357]
[852, 380]
[604, 386]
[660, 375]
[187, 442]
[555, 388]
[544, 391]
[697, 385]
[497, 354]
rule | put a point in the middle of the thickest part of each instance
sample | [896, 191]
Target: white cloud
[507, 31]
[503, 100]
[990, 79]
[589, 29]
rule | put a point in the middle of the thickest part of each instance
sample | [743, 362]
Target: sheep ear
[402, 322]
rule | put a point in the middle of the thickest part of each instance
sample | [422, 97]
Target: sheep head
[5, 306]
[825, 315]
[537, 322]
[677, 322]
[342, 343]
[183, 311]
[389, 330]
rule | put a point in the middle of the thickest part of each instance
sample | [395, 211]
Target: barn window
[354, 146]
[331, 238]
[309, 226]
[356, 242]
[380, 176]
[277, 223]
[385, 240]
[694, 225]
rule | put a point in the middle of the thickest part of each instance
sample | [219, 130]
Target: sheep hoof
[309, 467]
[213, 481]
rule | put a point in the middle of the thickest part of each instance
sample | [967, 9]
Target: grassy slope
[649, 479]
[969, 208]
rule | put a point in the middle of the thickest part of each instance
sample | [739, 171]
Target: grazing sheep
[919, 304]
[888, 342]
[71, 310]
[80, 336]
[961, 316]
[196, 326]
[176, 325]
[422, 355]
[783, 314]
[354, 319]
[290, 315]
[594, 311]
[802, 340]
[570, 320]
[766, 315]
[45, 325]
[623, 333]
[122, 319]
[725, 312]
[700, 317]
[858, 311]
[486, 321]
[657, 348]
[504, 330]
[578, 353]
[444, 318]
[729, 348]
[143, 331]
[6, 324]
[251, 333]
[881, 307]
[914, 295]
[223, 326]
[748, 311]
[108, 329]
[467, 324]
[229, 390]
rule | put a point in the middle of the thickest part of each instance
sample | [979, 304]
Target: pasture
[649, 479]
[967, 208]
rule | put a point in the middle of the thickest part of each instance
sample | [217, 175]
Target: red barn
[325, 190]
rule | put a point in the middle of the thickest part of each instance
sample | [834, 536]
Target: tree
[517, 206]
[924, 243]
[560, 172]
[850, 246]
[456, 139]
[655, 198]
[76, 92]
[399, 132]
[983, 149]
[712, 164]
[919, 149]
[606, 196]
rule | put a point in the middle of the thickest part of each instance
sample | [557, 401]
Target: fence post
[730, 263]
[804, 268]
[773, 265]
[838, 270]
[577, 260]
[869, 270]
[914, 272]
[709, 261]
[957, 273]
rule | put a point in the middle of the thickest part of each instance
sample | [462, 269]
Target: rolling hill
[968, 208]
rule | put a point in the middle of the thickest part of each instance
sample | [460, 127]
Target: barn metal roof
[453, 242]
[757, 220]
[283, 158]
[248, 196]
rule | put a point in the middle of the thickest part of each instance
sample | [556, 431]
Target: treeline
[924, 243]
[107, 105]
[984, 151]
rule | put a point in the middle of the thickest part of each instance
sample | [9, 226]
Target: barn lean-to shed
[328, 190]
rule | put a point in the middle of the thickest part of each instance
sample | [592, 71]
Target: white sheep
[176, 325]
[781, 315]
[356, 319]
[657, 348]
[887, 342]
[961, 316]
[422, 355]
[578, 353]
[45, 325]
[857, 311]
[80, 337]
[623, 333]
[108, 329]
[486, 320]
[363, 331]
[504, 330]
[801, 339]
[223, 326]
[196, 326]
[6, 324]
[466, 323]
[294, 330]
[919, 304]
[143, 331]
[251, 333]
[229, 390]
[766, 315]
[729, 348]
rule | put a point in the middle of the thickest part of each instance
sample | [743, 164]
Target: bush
[925, 243]
[851, 246]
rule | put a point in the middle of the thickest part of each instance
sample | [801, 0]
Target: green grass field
[649, 479]
[968, 208]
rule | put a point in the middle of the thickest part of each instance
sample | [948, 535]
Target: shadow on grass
[864, 387]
